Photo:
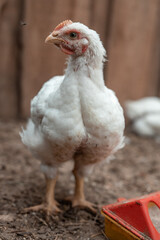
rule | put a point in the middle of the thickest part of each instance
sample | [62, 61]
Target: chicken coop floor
[134, 172]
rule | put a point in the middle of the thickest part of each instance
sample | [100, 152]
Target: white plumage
[75, 116]
[145, 116]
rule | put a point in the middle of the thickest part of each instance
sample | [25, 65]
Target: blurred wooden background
[129, 29]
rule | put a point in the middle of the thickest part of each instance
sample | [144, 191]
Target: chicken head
[68, 38]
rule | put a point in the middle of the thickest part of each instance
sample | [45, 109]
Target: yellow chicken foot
[79, 199]
[50, 204]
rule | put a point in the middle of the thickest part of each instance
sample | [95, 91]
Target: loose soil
[135, 171]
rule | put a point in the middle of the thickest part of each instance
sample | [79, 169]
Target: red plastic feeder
[131, 219]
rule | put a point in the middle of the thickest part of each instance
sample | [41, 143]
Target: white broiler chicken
[145, 116]
[74, 116]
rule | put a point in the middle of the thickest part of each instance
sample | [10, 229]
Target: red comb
[62, 24]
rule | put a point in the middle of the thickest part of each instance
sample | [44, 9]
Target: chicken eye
[73, 35]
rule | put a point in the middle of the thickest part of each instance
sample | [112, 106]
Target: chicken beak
[53, 39]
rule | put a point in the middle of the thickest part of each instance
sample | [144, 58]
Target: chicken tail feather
[31, 136]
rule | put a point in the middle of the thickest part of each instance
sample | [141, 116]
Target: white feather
[31, 136]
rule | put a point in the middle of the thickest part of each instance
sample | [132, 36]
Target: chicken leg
[50, 204]
[79, 199]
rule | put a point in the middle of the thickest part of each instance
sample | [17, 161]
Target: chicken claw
[82, 203]
[47, 208]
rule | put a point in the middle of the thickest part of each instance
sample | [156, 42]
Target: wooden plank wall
[9, 30]
[133, 45]
[129, 30]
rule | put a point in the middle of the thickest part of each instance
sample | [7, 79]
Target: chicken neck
[89, 65]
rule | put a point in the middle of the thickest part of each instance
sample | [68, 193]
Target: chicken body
[76, 117]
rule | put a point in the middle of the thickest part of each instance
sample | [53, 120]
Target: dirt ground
[134, 172]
